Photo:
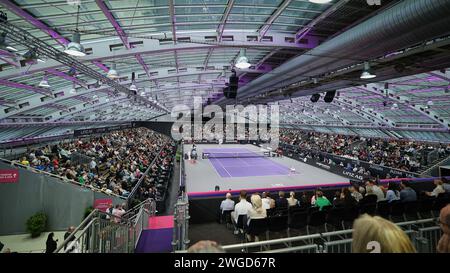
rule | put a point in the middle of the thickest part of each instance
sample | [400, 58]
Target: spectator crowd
[347, 199]
[112, 163]
[399, 154]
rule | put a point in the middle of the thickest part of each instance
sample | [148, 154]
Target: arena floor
[250, 173]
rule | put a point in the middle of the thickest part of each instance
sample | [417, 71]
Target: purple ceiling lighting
[35, 22]
[101, 4]
[83, 99]
[26, 87]
[42, 26]
[6, 102]
[56, 106]
[6, 53]
[10, 62]
[66, 77]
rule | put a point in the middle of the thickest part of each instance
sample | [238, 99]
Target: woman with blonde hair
[256, 212]
[378, 235]
[292, 201]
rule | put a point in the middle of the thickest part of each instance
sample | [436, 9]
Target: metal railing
[424, 238]
[182, 183]
[434, 170]
[141, 179]
[98, 233]
[79, 159]
[180, 237]
[140, 221]
[63, 179]
[428, 239]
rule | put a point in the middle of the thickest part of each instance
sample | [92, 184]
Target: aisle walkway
[23, 243]
[158, 238]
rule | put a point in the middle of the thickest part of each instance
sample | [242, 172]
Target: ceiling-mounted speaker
[315, 98]
[231, 91]
[329, 96]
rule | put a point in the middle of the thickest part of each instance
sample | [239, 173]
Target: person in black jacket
[281, 202]
[51, 243]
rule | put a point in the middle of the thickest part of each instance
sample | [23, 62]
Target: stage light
[242, 60]
[367, 74]
[112, 73]
[44, 82]
[75, 48]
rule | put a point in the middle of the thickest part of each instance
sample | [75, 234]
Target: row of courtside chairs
[303, 218]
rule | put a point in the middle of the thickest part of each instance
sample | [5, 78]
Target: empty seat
[368, 208]
[411, 210]
[425, 207]
[350, 215]
[257, 227]
[278, 224]
[298, 220]
[397, 210]
[384, 209]
[335, 217]
[316, 220]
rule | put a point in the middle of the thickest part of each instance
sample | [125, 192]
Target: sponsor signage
[102, 204]
[102, 130]
[375, 170]
[9, 176]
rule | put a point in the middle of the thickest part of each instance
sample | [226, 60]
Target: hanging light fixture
[112, 73]
[133, 85]
[242, 60]
[73, 90]
[367, 73]
[31, 55]
[44, 82]
[4, 45]
[75, 48]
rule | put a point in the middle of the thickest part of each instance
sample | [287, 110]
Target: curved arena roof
[178, 49]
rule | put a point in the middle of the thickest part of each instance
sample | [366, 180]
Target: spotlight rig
[3, 17]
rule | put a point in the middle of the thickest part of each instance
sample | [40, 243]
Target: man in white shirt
[227, 204]
[438, 190]
[376, 190]
[241, 208]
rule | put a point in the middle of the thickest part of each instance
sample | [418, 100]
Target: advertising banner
[9, 176]
[102, 204]
[318, 159]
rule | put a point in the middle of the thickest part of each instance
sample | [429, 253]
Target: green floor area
[23, 243]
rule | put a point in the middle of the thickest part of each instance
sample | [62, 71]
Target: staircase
[97, 234]
[434, 169]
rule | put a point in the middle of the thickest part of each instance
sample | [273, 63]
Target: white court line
[214, 167]
[224, 168]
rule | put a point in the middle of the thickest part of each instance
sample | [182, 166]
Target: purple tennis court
[249, 164]
[247, 167]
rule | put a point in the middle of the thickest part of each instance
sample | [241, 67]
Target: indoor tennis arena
[280, 128]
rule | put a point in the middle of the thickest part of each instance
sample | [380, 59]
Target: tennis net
[234, 154]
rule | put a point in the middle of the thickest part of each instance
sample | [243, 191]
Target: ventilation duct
[407, 23]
